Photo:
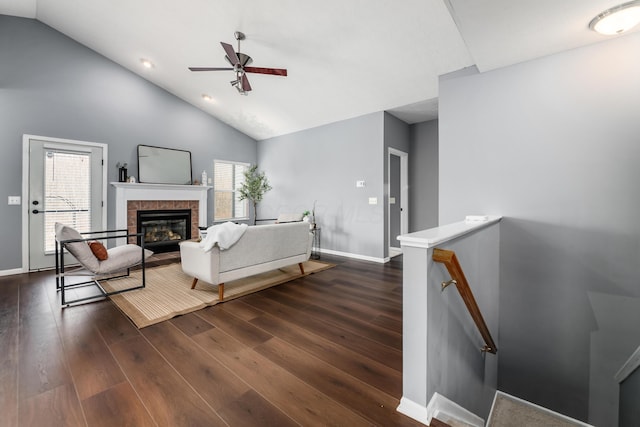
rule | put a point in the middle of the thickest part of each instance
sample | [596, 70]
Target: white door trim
[404, 192]
[26, 138]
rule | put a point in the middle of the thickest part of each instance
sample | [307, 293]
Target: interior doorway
[398, 201]
[63, 181]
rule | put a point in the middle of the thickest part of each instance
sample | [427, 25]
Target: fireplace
[164, 229]
[132, 197]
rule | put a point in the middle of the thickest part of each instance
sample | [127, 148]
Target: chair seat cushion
[122, 257]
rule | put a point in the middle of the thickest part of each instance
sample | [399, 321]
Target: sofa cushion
[288, 217]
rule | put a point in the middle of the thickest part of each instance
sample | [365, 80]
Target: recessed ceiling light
[207, 97]
[146, 63]
[618, 19]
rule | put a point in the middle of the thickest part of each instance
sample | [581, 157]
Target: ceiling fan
[240, 62]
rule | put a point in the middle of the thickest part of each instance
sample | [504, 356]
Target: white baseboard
[393, 252]
[355, 256]
[11, 272]
[414, 410]
[447, 410]
[441, 408]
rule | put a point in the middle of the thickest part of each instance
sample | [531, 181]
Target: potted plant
[305, 216]
[254, 187]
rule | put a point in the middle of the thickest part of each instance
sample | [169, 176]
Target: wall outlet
[14, 200]
[359, 184]
[373, 200]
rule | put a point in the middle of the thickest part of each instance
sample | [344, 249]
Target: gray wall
[423, 176]
[323, 164]
[52, 86]
[553, 146]
[441, 342]
[629, 408]
[456, 368]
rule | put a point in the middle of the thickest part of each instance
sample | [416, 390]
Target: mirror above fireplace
[158, 165]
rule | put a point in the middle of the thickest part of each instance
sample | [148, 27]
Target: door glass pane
[67, 193]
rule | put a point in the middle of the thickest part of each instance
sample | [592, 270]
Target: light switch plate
[373, 200]
[359, 184]
[14, 200]
[392, 200]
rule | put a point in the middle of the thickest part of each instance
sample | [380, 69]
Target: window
[67, 187]
[227, 178]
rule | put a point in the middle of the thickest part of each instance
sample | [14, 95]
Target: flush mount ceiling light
[618, 19]
[207, 98]
[146, 63]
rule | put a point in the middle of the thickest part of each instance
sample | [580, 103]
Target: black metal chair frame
[80, 270]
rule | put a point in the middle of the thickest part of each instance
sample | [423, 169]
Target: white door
[398, 207]
[66, 184]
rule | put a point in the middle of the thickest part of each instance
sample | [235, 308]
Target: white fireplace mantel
[126, 191]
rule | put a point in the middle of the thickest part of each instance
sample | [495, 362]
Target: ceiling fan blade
[231, 54]
[260, 70]
[209, 69]
[245, 83]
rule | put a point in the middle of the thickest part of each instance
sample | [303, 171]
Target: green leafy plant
[254, 187]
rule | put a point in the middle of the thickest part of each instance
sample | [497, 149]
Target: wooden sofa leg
[221, 291]
[193, 284]
[301, 268]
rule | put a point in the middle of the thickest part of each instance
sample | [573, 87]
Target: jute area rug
[168, 291]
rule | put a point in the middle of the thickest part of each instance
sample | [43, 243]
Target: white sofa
[261, 248]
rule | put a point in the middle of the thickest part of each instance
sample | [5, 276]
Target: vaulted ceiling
[345, 58]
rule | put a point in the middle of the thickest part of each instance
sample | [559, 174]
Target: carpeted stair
[509, 411]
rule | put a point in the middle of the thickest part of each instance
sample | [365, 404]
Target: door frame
[404, 192]
[26, 138]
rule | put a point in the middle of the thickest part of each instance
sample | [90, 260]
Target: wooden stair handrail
[449, 259]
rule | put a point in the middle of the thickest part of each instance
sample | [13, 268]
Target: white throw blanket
[225, 235]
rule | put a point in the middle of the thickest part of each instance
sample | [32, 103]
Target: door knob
[35, 202]
[35, 211]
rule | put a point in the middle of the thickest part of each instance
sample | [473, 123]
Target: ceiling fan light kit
[240, 62]
[618, 19]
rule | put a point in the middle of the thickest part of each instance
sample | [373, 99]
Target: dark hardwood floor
[322, 350]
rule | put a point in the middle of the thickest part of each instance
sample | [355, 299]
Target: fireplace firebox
[163, 230]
